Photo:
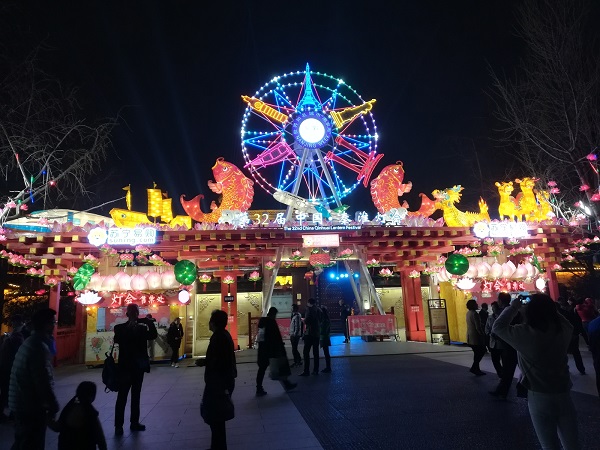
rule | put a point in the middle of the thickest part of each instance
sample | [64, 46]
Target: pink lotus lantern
[110, 283]
[95, 282]
[204, 279]
[495, 271]
[472, 272]
[139, 283]
[483, 270]
[168, 280]
[508, 268]
[124, 281]
[520, 273]
[154, 280]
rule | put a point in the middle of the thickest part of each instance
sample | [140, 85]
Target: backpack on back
[110, 372]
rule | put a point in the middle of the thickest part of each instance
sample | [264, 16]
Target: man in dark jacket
[344, 313]
[311, 337]
[174, 336]
[31, 393]
[567, 310]
[270, 345]
[508, 355]
[132, 337]
[8, 350]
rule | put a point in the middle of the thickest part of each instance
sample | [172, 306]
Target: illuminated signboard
[307, 227]
[500, 229]
[122, 236]
[320, 240]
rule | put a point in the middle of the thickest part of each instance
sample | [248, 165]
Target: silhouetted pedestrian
[132, 337]
[311, 337]
[587, 312]
[174, 337]
[271, 350]
[475, 337]
[78, 426]
[151, 342]
[567, 310]
[296, 332]
[31, 393]
[594, 338]
[344, 314]
[8, 350]
[508, 354]
[325, 338]
[219, 379]
[542, 343]
[495, 352]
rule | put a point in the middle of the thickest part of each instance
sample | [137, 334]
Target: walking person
[271, 347]
[31, 395]
[151, 342]
[594, 339]
[79, 426]
[296, 332]
[568, 312]
[325, 338]
[311, 337]
[508, 354]
[174, 337]
[132, 337]
[475, 337]
[483, 317]
[344, 314]
[542, 343]
[587, 312]
[8, 351]
[219, 378]
[495, 352]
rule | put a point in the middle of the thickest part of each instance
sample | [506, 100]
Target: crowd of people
[537, 333]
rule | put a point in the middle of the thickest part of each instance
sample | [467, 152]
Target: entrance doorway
[331, 289]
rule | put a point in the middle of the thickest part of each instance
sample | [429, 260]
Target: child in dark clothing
[78, 424]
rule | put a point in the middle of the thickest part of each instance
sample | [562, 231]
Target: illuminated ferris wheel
[309, 138]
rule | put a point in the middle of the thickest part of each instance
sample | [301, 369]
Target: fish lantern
[154, 280]
[457, 264]
[124, 281]
[185, 272]
[168, 280]
[110, 283]
[139, 283]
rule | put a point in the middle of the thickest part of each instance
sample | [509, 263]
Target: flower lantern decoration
[52, 281]
[345, 254]
[269, 265]
[296, 255]
[204, 279]
[254, 276]
[414, 274]
[372, 263]
[386, 273]
[494, 250]
[156, 260]
[91, 260]
[228, 279]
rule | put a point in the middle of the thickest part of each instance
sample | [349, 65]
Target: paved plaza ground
[381, 395]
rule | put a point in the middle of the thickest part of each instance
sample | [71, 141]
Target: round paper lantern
[109, 283]
[508, 268]
[168, 280]
[183, 296]
[124, 281]
[185, 272]
[154, 280]
[495, 271]
[483, 270]
[520, 273]
[457, 264]
[139, 283]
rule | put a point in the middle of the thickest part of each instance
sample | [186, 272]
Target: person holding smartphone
[541, 343]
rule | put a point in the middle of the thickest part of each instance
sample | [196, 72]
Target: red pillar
[413, 308]
[230, 307]
[553, 285]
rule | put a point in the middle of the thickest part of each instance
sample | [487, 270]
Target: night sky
[175, 70]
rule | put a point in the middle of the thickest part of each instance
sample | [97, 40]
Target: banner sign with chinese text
[372, 325]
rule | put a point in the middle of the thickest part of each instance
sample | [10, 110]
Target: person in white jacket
[541, 343]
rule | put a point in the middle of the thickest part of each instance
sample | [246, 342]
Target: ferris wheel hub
[311, 129]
